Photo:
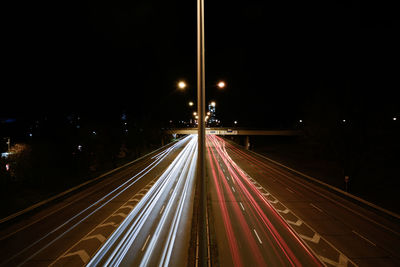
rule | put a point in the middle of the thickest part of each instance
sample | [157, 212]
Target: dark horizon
[276, 59]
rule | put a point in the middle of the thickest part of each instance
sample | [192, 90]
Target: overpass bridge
[235, 131]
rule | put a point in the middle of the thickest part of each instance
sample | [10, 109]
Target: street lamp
[181, 85]
[191, 103]
[221, 84]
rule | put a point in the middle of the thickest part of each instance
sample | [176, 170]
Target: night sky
[277, 58]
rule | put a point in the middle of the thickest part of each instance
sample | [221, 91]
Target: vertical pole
[202, 231]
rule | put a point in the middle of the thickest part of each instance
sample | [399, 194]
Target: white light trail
[141, 219]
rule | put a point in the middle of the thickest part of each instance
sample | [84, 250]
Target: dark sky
[276, 56]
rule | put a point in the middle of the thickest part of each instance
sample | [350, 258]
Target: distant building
[212, 119]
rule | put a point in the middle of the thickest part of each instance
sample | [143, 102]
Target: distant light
[300, 121]
[213, 104]
[7, 167]
[30, 134]
[5, 154]
[194, 113]
[221, 84]
[344, 120]
[79, 147]
[181, 85]
[235, 122]
[209, 113]
[94, 132]
[191, 103]
[394, 118]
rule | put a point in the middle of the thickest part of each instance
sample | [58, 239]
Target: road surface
[248, 192]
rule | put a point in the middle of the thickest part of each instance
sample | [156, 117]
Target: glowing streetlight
[221, 84]
[191, 103]
[213, 103]
[195, 113]
[181, 85]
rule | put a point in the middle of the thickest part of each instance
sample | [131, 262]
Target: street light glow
[213, 103]
[181, 85]
[191, 103]
[221, 84]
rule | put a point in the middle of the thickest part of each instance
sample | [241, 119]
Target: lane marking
[273, 201]
[311, 204]
[123, 215]
[259, 240]
[241, 205]
[233, 189]
[162, 209]
[100, 237]
[108, 224]
[366, 239]
[81, 253]
[145, 243]
[297, 223]
[315, 239]
[289, 190]
[343, 260]
[285, 211]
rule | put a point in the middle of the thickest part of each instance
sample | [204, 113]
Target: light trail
[97, 205]
[122, 246]
[285, 246]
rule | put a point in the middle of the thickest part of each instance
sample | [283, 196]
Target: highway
[248, 229]
[70, 231]
[265, 214]
[259, 213]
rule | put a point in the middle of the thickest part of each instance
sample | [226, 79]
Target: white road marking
[123, 215]
[315, 239]
[100, 237]
[145, 243]
[162, 209]
[108, 224]
[285, 211]
[241, 205]
[316, 207]
[289, 190]
[259, 240]
[233, 189]
[273, 201]
[81, 253]
[366, 239]
[297, 223]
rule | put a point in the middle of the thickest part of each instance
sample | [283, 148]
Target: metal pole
[201, 135]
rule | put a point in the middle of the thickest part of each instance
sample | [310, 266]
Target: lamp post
[201, 182]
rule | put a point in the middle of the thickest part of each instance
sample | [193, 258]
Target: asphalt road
[264, 214]
[259, 214]
[69, 232]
